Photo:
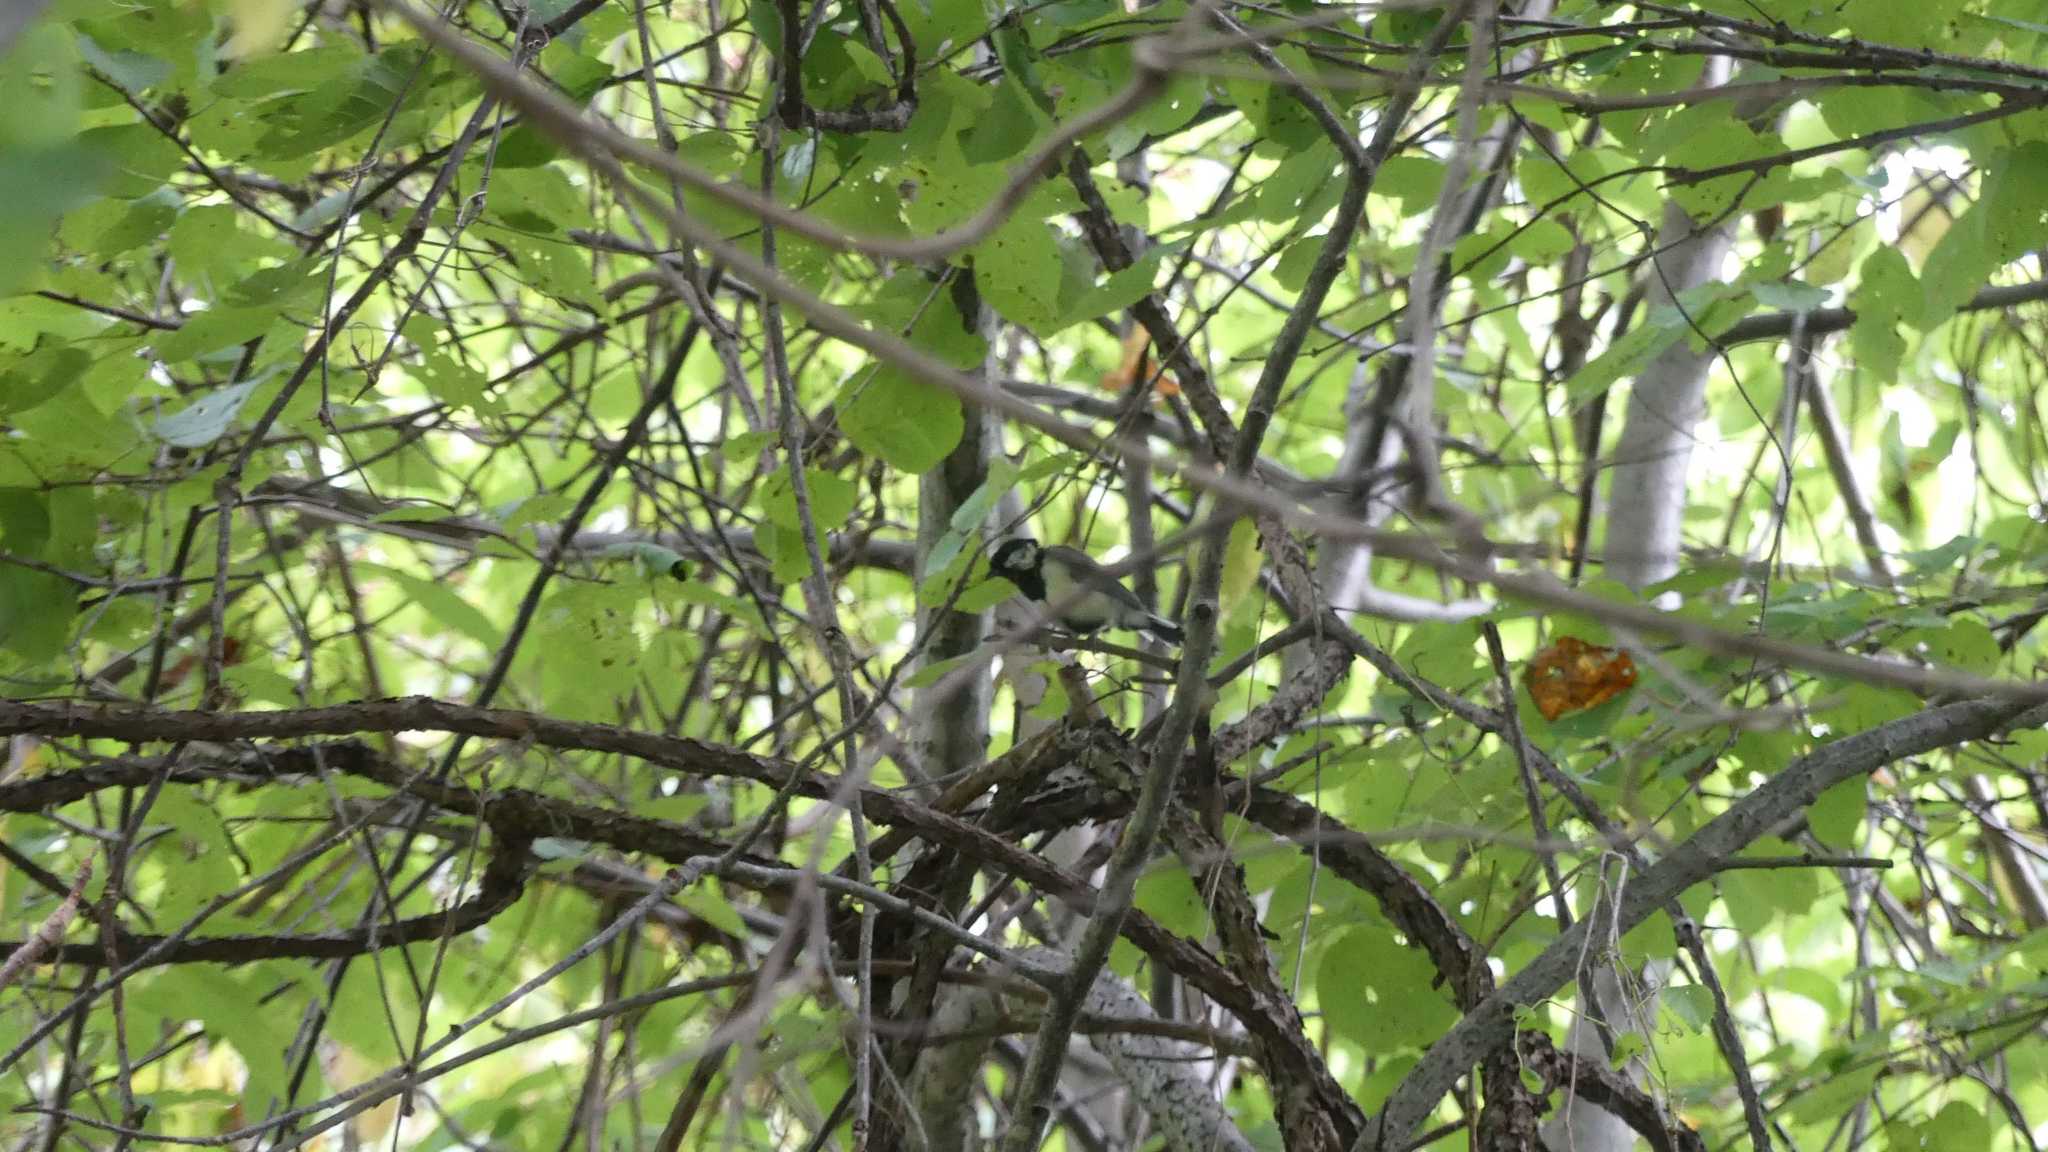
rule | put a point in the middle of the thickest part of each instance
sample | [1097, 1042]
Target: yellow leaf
[259, 25]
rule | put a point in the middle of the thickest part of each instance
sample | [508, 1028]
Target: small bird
[1086, 597]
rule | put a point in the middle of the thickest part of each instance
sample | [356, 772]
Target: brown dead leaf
[1137, 365]
[1572, 676]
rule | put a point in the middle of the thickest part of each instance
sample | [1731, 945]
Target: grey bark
[1646, 494]
[1164, 1077]
[1577, 1126]
[953, 736]
[1378, 442]
[1645, 512]
[943, 1081]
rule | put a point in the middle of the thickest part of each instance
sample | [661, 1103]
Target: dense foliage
[494, 507]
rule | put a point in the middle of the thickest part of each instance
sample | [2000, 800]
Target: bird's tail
[1163, 628]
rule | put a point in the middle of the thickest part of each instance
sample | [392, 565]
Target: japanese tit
[1086, 596]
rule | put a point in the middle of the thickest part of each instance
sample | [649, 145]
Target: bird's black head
[1018, 561]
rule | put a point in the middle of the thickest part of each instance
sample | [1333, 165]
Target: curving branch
[1159, 1071]
[1784, 797]
[518, 809]
[1355, 859]
[503, 882]
[1605, 1088]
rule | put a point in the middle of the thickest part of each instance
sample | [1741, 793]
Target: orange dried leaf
[1136, 365]
[1133, 363]
[1572, 676]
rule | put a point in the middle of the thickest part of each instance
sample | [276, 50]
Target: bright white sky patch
[1901, 171]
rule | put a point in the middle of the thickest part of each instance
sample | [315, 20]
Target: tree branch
[1783, 797]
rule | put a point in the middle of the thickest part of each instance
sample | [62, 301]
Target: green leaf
[1964, 644]
[765, 18]
[968, 518]
[1601, 61]
[1020, 63]
[37, 184]
[299, 283]
[1692, 1004]
[539, 508]
[1627, 1046]
[936, 671]
[708, 900]
[114, 227]
[942, 23]
[2003, 225]
[1121, 289]
[130, 71]
[1625, 357]
[1838, 814]
[981, 503]
[212, 330]
[1416, 182]
[1815, 986]
[1241, 564]
[594, 623]
[24, 521]
[936, 584]
[1835, 1094]
[262, 683]
[220, 998]
[832, 498]
[538, 200]
[446, 606]
[1169, 896]
[986, 594]
[780, 539]
[1018, 270]
[410, 514]
[1789, 295]
[733, 607]
[42, 88]
[1377, 993]
[552, 848]
[1014, 118]
[678, 809]
[195, 860]
[1864, 706]
[1053, 704]
[1756, 897]
[1483, 254]
[206, 419]
[35, 612]
[910, 425]
[1942, 557]
[142, 156]
[1292, 190]
[41, 378]
[1958, 1127]
[1291, 271]
[358, 99]
[1271, 109]
[1922, 24]
[1444, 654]
[208, 240]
